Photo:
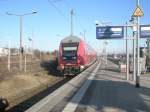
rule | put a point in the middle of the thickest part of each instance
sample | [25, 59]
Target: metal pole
[9, 56]
[72, 21]
[25, 61]
[21, 48]
[127, 54]
[32, 44]
[105, 44]
[134, 55]
[138, 60]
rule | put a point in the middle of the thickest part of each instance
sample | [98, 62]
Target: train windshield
[69, 51]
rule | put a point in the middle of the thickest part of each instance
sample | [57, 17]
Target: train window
[69, 44]
[69, 51]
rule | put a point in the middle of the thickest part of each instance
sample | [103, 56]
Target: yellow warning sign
[138, 12]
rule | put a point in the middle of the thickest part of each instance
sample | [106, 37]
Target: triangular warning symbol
[138, 12]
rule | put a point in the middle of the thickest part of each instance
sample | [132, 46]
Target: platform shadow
[103, 95]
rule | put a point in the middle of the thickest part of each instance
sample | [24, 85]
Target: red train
[74, 55]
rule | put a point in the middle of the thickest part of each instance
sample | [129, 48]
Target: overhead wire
[51, 2]
[75, 14]
[67, 3]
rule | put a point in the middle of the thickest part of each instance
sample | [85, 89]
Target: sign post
[127, 53]
[138, 13]
[134, 52]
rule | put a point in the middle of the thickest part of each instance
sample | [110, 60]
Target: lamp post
[21, 30]
[137, 43]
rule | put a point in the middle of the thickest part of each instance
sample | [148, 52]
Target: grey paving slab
[110, 92]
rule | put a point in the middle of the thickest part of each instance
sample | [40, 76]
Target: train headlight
[81, 67]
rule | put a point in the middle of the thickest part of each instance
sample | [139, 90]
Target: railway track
[34, 97]
[52, 100]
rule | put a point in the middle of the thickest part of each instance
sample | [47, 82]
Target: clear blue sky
[53, 19]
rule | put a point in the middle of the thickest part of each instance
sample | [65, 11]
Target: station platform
[109, 91]
[100, 88]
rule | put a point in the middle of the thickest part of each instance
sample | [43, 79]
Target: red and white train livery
[74, 55]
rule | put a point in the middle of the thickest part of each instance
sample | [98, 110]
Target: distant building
[29, 51]
[3, 52]
[14, 51]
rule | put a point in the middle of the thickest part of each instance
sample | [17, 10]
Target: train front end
[68, 60]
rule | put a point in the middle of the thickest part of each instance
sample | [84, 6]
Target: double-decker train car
[74, 55]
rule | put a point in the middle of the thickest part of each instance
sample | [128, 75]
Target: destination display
[144, 31]
[109, 32]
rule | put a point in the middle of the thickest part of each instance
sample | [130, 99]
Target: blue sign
[109, 32]
[144, 31]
